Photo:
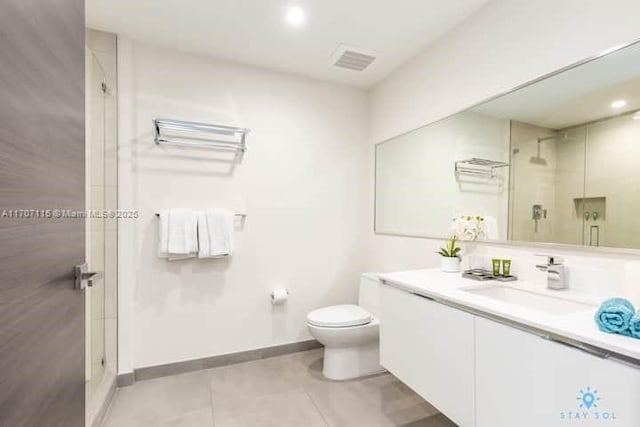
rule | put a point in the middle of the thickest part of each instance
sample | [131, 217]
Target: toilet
[350, 334]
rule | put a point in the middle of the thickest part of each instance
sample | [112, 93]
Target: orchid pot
[450, 257]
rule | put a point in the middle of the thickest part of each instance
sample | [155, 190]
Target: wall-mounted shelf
[479, 168]
[199, 135]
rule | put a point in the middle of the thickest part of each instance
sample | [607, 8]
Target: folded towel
[614, 316]
[178, 234]
[215, 233]
[490, 227]
[634, 325]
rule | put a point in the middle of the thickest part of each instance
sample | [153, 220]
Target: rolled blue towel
[614, 316]
[634, 325]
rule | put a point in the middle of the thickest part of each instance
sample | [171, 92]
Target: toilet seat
[339, 316]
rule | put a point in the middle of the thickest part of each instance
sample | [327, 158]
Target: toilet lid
[339, 316]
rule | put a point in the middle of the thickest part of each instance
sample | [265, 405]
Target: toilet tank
[369, 296]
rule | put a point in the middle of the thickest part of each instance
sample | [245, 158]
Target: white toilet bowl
[350, 335]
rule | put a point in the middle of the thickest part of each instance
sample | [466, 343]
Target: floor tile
[257, 378]
[432, 421]
[288, 409]
[376, 401]
[163, 401]
[283, 391]
[201, 418]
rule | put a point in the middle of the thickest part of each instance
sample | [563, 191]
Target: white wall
[503, 45]
[307, 165]
[302, 183]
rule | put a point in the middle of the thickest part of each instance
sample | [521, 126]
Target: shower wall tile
[97, 298]
[110, 204]
[109, 66]
[111, 343]
[97, 203]
[97, 164]
[97, 343]
[100, 41]
[96, 257]
[532, 182]
[111, 273]
[110, 164]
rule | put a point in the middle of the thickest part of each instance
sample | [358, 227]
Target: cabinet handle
[424, 296]
[582, 347]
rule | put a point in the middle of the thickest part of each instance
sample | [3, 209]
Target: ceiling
[576, 96]
[255, 32]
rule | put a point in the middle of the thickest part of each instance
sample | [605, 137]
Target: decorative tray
[482, 275]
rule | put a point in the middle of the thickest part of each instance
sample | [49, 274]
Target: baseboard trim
[96, 407]
[126, 379]
[99, 417]
[168, 369]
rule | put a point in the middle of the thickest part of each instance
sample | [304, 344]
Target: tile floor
[284, 391]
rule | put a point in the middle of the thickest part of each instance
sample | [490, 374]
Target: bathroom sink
[546, 303]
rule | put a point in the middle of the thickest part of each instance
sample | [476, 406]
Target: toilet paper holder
[279, 296]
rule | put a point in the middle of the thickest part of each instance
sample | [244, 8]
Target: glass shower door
[547, 184]
[95, 247]
[611, 177]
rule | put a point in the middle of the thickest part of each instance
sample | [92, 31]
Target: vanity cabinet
[482, 373]
[525, 380]
[430, 347]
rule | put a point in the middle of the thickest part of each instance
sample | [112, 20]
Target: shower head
[558, 137]
[537, 160]
[565, 137]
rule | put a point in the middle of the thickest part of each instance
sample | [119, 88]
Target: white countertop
[578, 326]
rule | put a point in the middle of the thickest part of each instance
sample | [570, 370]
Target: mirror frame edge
[600, 250]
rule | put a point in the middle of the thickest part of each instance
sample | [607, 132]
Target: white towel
[491, 231]
[178, 234]
[215, 233]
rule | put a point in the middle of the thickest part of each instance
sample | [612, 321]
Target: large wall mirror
[557, 161]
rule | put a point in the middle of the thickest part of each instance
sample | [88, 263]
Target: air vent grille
[354, 60]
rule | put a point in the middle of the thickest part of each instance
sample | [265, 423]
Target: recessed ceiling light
[636, 116]
[295, 16]
[619, 103]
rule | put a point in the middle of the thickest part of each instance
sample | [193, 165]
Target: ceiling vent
[352, 58]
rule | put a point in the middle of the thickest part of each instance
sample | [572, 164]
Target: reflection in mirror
[556, 161]
[546, 178]
[418, 189]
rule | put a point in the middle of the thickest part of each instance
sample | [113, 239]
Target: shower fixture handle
[83, 278]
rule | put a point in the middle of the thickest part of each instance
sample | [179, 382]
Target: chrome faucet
[556, 272]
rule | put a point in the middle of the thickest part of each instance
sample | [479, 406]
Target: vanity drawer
[525, 380]
[430, 347]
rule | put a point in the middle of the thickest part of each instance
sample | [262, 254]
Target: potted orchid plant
[466, 228]
[450, 256]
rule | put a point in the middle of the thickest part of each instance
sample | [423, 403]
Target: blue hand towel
[614, 316]
[634, 325]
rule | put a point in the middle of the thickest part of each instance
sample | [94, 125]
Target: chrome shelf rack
[199, 135]
[479, 168]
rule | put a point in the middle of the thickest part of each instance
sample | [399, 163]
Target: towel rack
[482, 168]
[239, 215]
[200, 135]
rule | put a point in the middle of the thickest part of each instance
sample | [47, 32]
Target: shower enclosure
[572, 185]
[101, 231]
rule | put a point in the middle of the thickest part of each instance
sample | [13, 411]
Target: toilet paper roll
[279, 296]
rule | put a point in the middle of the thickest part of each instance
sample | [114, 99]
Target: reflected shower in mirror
[552, 162]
